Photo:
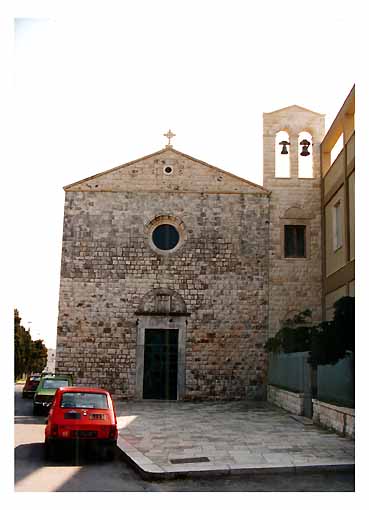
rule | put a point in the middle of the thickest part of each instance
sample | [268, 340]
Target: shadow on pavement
[94, 475]
[30, 420]
[31, 457]
[27, 459]
[114, 476]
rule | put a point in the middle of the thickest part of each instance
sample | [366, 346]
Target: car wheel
[50, 450]
[36, 411]
[108, 453]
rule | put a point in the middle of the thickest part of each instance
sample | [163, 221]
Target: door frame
[161, 322]
[168, 343]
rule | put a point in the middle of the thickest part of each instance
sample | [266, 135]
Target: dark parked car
[31, 384]
[81, 417]
[45, 392]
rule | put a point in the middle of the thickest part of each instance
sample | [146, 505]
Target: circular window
[165, 237]
[168, 170]
[165, 234]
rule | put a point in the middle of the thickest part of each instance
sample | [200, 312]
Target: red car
[30, 387]
[81, 417]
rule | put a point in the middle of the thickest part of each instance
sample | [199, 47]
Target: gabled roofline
[66, 188]
[104, 172]
[295, 106]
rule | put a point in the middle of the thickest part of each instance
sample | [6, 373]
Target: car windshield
[84, 400]
[52, 384]
[34, 378]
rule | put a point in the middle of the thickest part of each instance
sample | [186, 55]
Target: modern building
[338, 199]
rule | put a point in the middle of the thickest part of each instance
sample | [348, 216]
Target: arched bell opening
[282, 155]
[305, 155]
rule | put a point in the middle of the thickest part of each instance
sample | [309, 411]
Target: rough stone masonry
[192, 314]
[214, 286]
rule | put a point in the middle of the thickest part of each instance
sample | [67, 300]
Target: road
[76, 474]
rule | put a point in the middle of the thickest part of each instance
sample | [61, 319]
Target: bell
[284, 148]
[305, 146]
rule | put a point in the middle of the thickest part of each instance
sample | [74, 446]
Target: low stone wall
[288, 400]
[340, 419]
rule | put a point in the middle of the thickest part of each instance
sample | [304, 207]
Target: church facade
[174, 272]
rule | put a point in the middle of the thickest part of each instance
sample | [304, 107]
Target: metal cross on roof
[169, 135]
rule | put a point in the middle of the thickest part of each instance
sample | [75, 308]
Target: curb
[148, 470]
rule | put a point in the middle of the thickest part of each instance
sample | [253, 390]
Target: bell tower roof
[294, 109]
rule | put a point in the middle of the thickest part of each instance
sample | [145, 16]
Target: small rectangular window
[295, 241]
[337, 226]
[85, 400]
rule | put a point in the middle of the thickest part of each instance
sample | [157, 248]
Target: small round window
[168, 170]
[165, 237]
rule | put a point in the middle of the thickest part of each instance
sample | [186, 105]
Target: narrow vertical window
[337, 226]
[305, 152]
[295, 241]
[282, 154]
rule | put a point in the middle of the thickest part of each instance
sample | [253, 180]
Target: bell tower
[291, 172]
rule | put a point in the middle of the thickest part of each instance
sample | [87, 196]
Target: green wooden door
[160, 364]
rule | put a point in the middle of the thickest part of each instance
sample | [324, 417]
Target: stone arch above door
[162, 309]
[162, 301]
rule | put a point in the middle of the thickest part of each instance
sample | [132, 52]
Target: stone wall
[220, 272]
[288, 400]
[340, 419]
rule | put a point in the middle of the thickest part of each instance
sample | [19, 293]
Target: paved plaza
[168, 438]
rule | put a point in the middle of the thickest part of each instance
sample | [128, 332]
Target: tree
[22, 341]
[294, 335]
[38, 356]
[333, 340]
[29, 356]
[327, 342]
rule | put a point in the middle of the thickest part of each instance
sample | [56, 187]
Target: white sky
[97, 87]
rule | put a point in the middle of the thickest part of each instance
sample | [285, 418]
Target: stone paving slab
[163, 439]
